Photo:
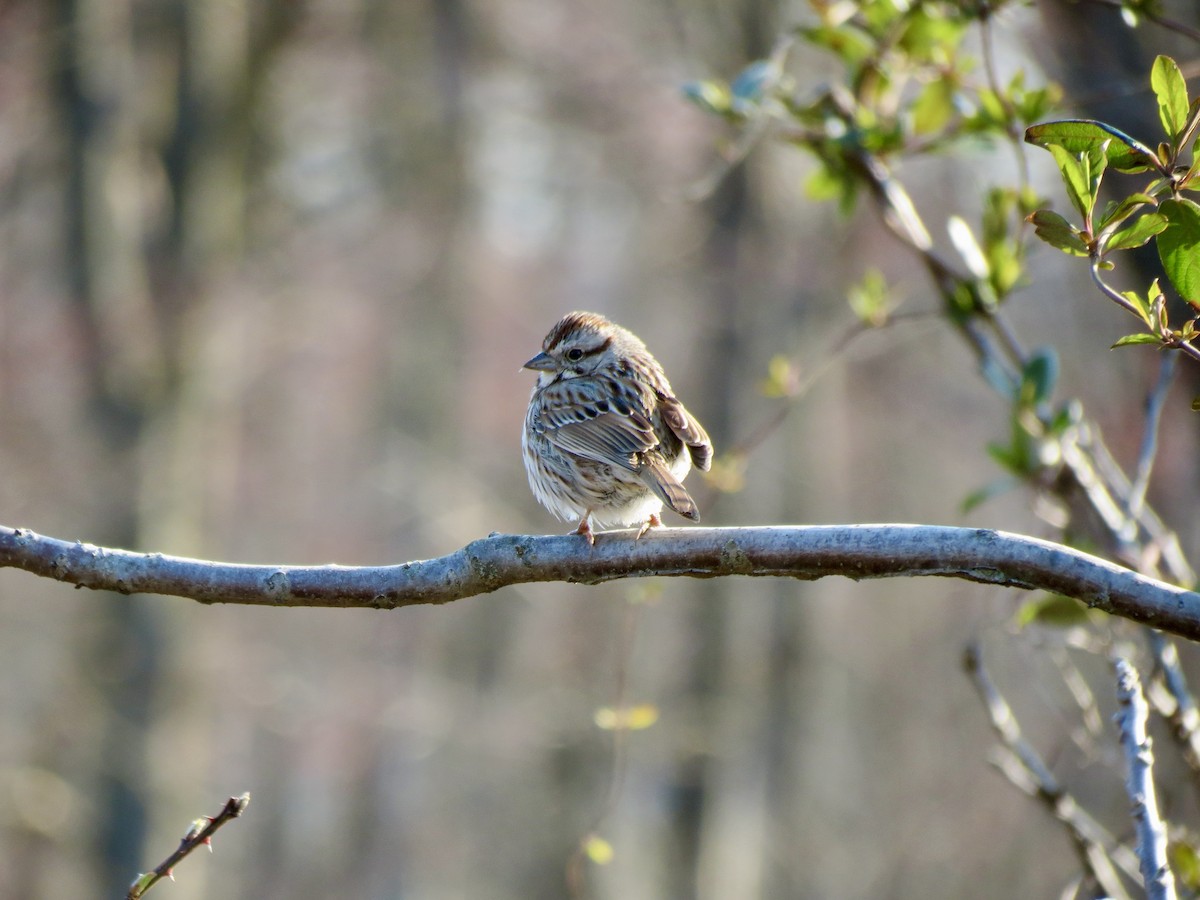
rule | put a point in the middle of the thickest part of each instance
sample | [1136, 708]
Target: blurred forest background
[268, 272]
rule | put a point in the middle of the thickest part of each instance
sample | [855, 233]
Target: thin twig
[199, 835]
[1149, 449]
[833, 354]
[1110, 292]
[1182, 713]
[576, 886]
[1081, 693]
[1146, 10]
[1091, 840]
[1151, 832]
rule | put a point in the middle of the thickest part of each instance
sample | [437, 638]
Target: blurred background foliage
[267, 275]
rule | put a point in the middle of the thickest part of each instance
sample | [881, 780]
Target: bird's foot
[653, 522]
[585, 529]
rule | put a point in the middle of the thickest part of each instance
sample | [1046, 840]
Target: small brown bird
[605, 439]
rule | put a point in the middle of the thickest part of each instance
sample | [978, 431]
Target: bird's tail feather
[669, 490]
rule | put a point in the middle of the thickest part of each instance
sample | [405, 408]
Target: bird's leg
[585, 528]
[653, 522]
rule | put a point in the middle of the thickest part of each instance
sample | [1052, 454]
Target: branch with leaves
[858, 133]
[1084, 151]
[912, 90]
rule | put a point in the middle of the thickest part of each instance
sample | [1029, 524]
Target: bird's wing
[599, 425]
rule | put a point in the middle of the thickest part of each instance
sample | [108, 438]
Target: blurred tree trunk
[722, 811]
[144, 346]
[124, 355]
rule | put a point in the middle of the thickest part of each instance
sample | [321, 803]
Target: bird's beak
[541, 363]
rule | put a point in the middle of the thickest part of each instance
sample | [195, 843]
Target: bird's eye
[574, 354]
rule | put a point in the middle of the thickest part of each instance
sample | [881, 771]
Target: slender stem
[1149, 449]
[1110, 292]
[1163, 21]
[1182, 713]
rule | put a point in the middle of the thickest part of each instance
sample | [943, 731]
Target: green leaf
[851, 44]
[1115, 212]
[1032, 105]
[870, 299]
[1076, 177]
[929, 37]
[992, 111]
[1125, 154]
[633, 718]
[1196, 404]
[1179, 247]
[992, 489]
[1055, 610]
[1005, 267]
[782, 379]
[598, 850]
[1185, 863]
[934, 106]
[1137, 234]
[1039, 376]
[1058, 232]
[1171, 91]
[708, 95]
[1010, 458]
[1141, 304]
[1140, 338]
[827, 183]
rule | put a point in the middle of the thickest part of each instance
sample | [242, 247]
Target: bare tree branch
[1151, 831]
[1023, 766]
[1174, 701]
[803, 552]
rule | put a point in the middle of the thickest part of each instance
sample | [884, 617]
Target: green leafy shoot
[870, 300]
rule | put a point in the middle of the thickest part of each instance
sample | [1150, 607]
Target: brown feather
[669, 490]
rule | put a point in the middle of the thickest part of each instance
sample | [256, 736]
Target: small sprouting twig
[833, 354]
[1090, 838]
[200, 834]
[1151, 832]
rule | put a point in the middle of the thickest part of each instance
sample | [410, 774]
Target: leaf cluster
[1162, 210]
